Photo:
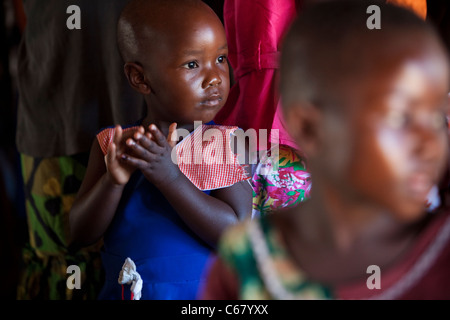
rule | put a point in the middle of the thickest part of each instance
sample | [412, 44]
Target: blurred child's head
[368, 106]
[175, 53]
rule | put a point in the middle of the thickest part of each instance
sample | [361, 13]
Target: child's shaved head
[329, 49]
[175, 54]
[142, 21]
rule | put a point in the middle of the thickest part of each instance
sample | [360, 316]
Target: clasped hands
[146, 150]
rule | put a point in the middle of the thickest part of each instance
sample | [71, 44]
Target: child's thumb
[111, 154]
[117, 134]
[172, 137]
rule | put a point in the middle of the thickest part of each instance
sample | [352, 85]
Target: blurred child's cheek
[448, 116]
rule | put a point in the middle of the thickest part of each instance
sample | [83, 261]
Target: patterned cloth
[50, 187]
[106, 136]
[280, 180]
[205, 156]
[262, 268]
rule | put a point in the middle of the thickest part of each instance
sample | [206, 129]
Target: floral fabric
[280, 180]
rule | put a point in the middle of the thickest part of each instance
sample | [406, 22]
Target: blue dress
[169, 257]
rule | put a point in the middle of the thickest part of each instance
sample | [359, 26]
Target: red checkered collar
[204, 156]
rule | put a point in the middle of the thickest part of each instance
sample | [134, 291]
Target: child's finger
[146, 141]
[118, 132]
[143, 148]
[158, 137]
[111, 154]
[134, 162]
[172, 137]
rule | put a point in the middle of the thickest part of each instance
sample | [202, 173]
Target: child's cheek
[448, 117]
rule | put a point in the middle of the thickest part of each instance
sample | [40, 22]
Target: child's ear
[136, 77]
[303, 124]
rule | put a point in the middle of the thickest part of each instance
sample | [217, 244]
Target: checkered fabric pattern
[105, 137]
[204, 157]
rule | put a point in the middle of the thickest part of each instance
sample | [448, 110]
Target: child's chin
[411, 213]
[208, 118]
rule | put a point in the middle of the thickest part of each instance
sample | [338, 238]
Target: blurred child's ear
[136, 77]
[303, 124]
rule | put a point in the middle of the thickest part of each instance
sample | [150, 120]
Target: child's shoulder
[124, 127]
[205, 157]
[236, 235]
[235, 246]
[242, 237]
[105, 135]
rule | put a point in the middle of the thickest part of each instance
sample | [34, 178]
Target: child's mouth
[212, 101]
[420, 185]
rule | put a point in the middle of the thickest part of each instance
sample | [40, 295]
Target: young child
[368, 109]
[160, 221]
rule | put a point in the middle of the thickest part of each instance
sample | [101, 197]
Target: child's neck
[341, 233]
[346, 222]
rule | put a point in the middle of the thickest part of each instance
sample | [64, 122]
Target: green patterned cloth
[254, 251]
[50, 186]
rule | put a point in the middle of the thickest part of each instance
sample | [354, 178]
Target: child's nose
[429, 143]
[212, 79]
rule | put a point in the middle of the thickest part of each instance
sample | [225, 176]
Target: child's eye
[438, 120]
[221, 59]
[191, 65]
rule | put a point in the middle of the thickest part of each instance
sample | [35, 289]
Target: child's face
[390, 146]
[188, 70]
